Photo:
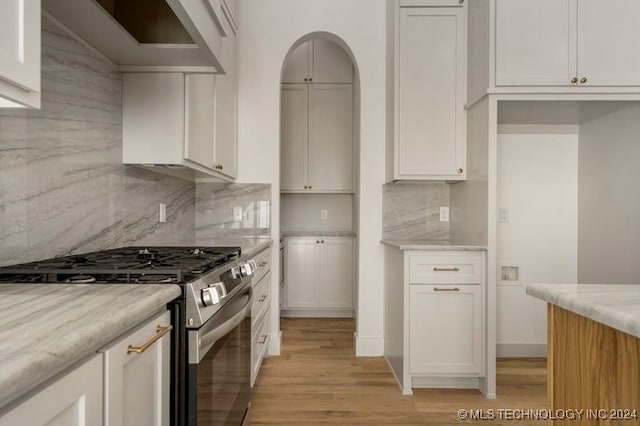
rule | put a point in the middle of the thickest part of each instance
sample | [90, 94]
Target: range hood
[147, 34]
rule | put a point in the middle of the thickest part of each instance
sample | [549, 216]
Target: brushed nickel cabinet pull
[446, 289]
[160, 331]
[262, 298]
[446, 270]
[574, 80]
[263, 263]
[583, 80]
[263, 339]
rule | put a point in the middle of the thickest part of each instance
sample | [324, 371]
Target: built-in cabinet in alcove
[317, 180]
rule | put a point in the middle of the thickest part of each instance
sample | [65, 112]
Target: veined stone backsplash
[63, 188]
[412, 211]
[232, 210]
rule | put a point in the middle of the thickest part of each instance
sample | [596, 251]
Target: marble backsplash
[412, 211]
[230, 210]
[63, 188]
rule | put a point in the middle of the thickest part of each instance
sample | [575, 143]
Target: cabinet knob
[583, 80]
[317, 242]
[322, 241]
[310, 186]
[574, 80]
[460, 170]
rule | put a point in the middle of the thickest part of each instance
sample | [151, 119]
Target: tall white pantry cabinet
[317, 120]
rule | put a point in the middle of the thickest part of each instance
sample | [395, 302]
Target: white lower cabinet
[319, 273]
[445, 329]
[137, 370]
[73, 400]
[260, 312]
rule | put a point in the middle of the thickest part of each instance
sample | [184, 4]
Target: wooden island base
[591, 366]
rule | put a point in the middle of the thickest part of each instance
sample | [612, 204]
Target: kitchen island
[593, 350]
[46, 329]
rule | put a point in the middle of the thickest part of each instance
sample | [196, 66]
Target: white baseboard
[446, 382]
[317, 313]
[369, 346]
[520, 350]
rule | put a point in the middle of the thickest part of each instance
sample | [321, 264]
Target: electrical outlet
[324, 214]
[237, 214]
[162, 212]
[509, 275]
[503, 215]
[444, 214]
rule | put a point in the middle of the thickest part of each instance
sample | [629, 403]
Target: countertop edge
[432, 245]
[597, 311]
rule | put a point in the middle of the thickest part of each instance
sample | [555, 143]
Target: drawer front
[261, 300]
[445, 269]
[263, 264]
[259, 345]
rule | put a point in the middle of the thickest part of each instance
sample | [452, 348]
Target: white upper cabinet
[609, 42]
[317, 120]
[169, 124]
[567, 43]
[317, 138]
[535, 42]
[20, 53]
[318, 61]
[430, 138]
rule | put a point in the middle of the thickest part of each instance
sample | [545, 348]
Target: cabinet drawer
[263, 265]
[261, 300]
[259, 345]
[445, 269]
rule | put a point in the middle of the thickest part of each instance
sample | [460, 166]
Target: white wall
[609, 204]
[538, 184]
[268, 29]
[302, 212]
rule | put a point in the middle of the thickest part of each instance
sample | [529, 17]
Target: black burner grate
[125, 265]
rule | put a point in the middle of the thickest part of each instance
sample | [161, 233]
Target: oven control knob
[213, 294]
[236, 273]
[246, 269]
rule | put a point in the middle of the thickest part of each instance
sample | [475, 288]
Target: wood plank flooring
[318, 380]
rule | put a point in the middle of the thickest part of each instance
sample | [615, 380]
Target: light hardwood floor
[317, 380]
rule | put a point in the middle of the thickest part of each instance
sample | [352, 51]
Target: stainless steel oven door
[218, 390]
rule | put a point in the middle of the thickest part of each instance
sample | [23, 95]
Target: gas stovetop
[176, 265]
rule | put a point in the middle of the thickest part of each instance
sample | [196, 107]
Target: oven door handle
[205, 338]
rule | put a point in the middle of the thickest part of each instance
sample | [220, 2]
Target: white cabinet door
[137, 384]
[298, 64]
[536, 42]
[608, 42]
[336, 282]
[73, 400]
[445, 334]
[302, 261]
[153, 124]
[294, 137]
[431, 142]
[20, 52]
[330, 164]
[330, 63]
[226, 101]
[200, 92]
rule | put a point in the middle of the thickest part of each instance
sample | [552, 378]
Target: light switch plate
[162, 212]
[444, 214]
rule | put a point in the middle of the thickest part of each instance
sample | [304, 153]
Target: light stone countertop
[288, 234]
[435, 245]
[615, 305]
[249, 245]
[47, 328]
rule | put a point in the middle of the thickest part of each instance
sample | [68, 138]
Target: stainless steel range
[211, 333]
